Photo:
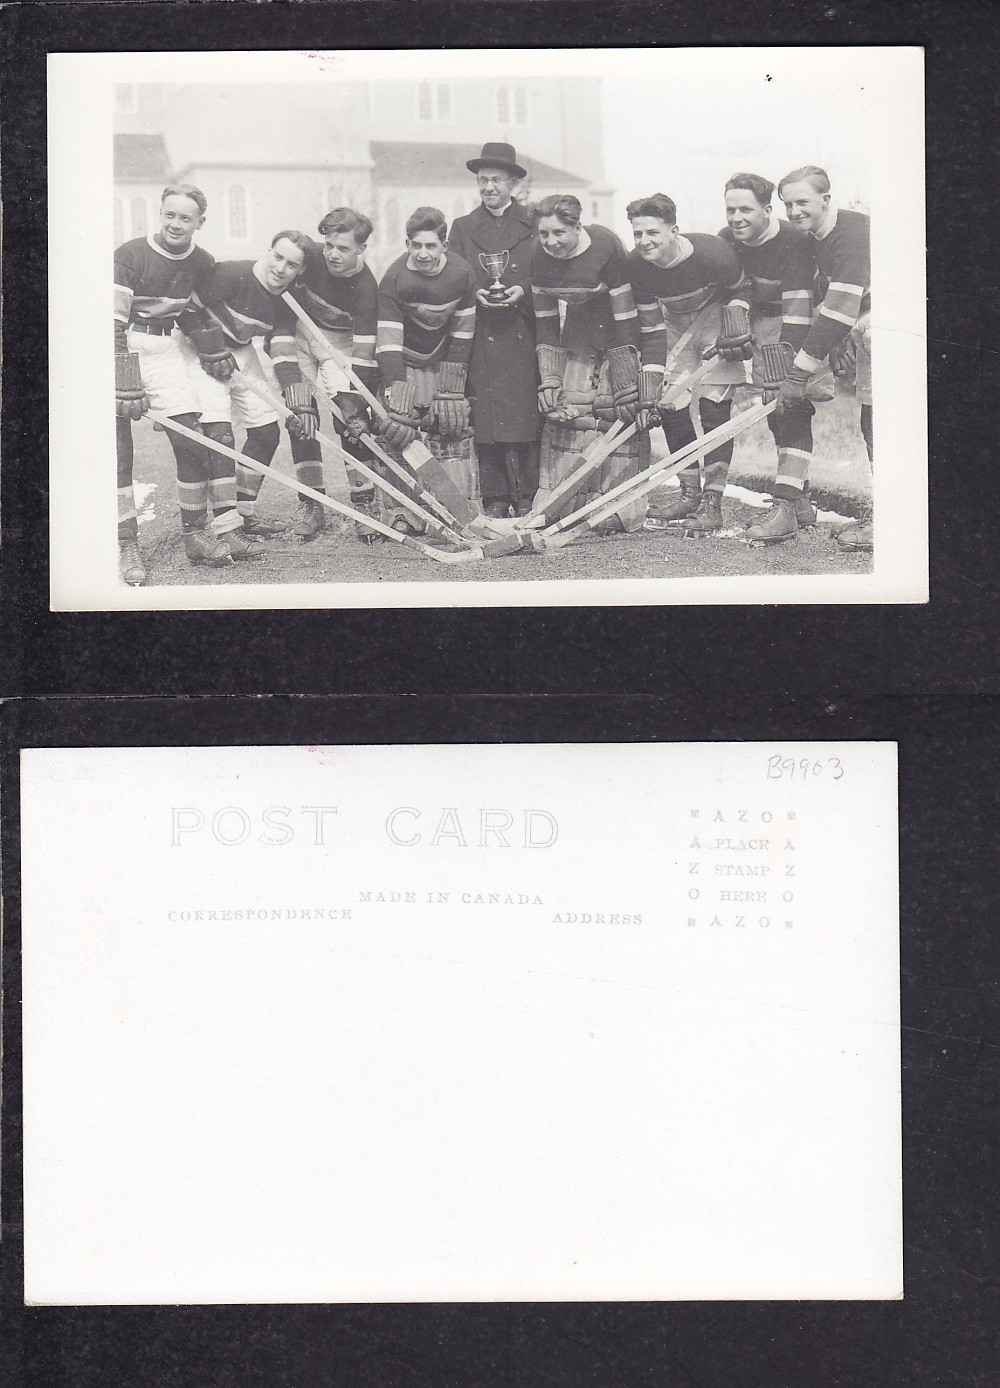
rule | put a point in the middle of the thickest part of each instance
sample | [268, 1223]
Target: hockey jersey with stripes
[341, 304]
[235, 299]
[709, 274]
[424, 319]
[595, 289]
[843, 258]
[153, 286]
[781, 278]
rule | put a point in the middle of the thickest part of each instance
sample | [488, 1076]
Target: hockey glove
[130, 394]
[650, 390]
[776, 360]
[357, 420]
[304, 419]
[450, 409]
[844, 356]
[792, 391]
[551, 370]
[216, 358]
[735, 341]
[623, 369]
[400, 429]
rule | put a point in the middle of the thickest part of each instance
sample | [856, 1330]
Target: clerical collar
[498, 213]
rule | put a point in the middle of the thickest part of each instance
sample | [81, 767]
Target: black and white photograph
[486, 328]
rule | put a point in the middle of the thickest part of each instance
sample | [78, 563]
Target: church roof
[140, 159]
[412, 161]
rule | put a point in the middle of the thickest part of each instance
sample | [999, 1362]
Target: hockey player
[680, 284]
[155, 277]
[242, 300]
[775, 305]
[588, 364]
[503, 372]
[841, 246]
[426, 319]
[340, 294]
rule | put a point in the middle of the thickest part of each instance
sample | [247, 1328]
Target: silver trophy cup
[494, 264]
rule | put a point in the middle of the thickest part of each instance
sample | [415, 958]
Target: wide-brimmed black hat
[497, 155]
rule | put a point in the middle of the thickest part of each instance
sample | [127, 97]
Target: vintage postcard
[587, 1022]
[406, 328]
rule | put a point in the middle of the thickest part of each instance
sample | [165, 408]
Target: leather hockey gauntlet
[735, 341]
[304, 420]
[775, 360]
[844, 356]
[623, 369]
[449, 408]
[552, 371]
[400, 429]
[216, 358]
[130, 395]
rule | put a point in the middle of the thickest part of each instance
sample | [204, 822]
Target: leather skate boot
[708, 516]
[244, 546]
[496, 508]
[668, 514]
[130, 566]
[204, 547]
[857, 537]
[805, 511]
[263, 528]
[366, 503]
[780, 523]
[310, 519]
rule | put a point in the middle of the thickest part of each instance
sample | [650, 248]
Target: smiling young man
[426, 320]
[155, 278]
[340, 294]
[242, 300]
[840, 241]
[503, 372]
[776, 306]
[681, 282]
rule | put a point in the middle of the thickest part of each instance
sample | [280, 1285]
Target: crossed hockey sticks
[601, 449]
[448, 531]
[436, 487]
[489, 549]
[571, 527]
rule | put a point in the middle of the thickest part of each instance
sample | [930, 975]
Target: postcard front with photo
[533, 327]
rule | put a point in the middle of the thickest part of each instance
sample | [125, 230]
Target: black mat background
[925, 676]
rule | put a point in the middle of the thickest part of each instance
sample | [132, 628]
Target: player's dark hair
[185, 190]
[427, 219]
[762, 188]
[562, 205]
[809, 173]
[658, 205]
[344, 221]
[297, 238]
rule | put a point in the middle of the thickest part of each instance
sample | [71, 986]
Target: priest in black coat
[503, 371]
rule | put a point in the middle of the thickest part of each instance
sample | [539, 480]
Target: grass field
[840, 483]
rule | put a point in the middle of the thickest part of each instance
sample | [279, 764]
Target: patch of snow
[144, 497]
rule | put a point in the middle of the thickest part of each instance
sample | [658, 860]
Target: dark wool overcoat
[503, 371]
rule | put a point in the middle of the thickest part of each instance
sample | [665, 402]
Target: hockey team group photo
[428, 330]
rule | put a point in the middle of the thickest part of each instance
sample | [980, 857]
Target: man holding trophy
[496, 241]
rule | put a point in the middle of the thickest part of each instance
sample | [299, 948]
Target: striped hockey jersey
[235, 299]
[424, 319]
[594, 286]
[153, 286]
[710, 274]
[345, 305]
[843, 257]
[781, 278]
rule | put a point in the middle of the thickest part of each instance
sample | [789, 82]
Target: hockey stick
[447, 531]
[601, 449]
[562, 532]
[489, 550]
[429, 475]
